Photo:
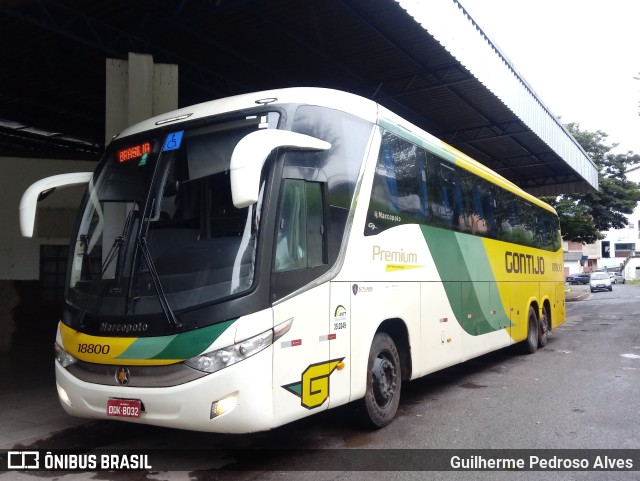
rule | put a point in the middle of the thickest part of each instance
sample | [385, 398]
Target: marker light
[63, 357]
[215, 360]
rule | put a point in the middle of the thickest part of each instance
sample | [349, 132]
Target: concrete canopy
[427, 61]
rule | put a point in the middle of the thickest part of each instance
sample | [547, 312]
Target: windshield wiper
[114, 252]
[164, 302]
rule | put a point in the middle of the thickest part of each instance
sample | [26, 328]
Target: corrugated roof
[450, 24]
[53, 76]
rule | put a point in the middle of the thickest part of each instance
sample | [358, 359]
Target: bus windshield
[159, 225]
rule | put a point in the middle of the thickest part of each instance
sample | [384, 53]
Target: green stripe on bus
[465, 271]
[146, 347]
[181, 346]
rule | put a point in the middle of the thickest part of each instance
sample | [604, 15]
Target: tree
[584, 216]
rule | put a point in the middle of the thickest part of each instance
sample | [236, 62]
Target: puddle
[630, 356]
[357, 440]
[472, 385]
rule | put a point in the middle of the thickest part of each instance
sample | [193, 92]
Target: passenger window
[300, 233]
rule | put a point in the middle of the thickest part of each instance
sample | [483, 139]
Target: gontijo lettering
[517, 263]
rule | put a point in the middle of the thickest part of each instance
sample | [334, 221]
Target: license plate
[124, 408]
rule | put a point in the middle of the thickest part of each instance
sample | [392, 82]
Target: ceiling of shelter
[52, 81]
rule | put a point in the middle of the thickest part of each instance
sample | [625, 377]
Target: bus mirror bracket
[252, 151]
[30, 198]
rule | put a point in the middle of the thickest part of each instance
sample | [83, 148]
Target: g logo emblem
[313, 389]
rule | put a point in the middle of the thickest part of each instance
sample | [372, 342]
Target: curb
[578, 297]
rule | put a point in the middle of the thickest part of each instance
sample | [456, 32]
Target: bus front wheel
[384, 380]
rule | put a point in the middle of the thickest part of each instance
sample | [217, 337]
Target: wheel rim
[384, 380]
[544, 323]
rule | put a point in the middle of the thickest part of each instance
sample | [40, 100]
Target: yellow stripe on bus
[103, 350]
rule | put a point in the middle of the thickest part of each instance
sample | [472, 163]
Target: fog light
[63, 395]
[224, 405]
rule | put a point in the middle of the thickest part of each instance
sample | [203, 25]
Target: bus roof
[323, 97]
[339, 100]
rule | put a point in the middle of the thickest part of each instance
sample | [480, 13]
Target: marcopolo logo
[124, 328]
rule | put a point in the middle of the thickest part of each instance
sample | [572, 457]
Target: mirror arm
[29, 201]
[252, 151]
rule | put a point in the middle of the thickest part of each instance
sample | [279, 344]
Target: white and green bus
[246, 262]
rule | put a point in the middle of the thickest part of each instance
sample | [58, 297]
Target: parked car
[616, 278]
[578, 279]
[600, 280]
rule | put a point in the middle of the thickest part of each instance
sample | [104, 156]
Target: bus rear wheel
[545, 327]
[530, 344]
[384, 380]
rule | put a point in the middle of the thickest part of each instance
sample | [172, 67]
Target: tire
[384, 382]
[544, 327]
[610, 288]
[593, 290]
[530, 344]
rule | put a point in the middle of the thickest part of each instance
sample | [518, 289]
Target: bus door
[301, 359]
[302, 362]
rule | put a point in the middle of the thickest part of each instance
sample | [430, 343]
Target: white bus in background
[246, 262]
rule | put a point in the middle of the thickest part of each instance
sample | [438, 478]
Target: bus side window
[489, 207]
[445, 198]
[300, 230]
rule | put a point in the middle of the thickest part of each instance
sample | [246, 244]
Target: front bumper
[188, 405]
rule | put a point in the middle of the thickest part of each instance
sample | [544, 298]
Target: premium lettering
[380, 254]
[518, 263]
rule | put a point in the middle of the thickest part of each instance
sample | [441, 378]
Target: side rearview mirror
[30, 198]
[252, 151]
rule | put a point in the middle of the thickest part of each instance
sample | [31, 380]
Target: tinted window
[299, 243]
[412, 185]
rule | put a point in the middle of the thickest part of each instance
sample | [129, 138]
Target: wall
[19, 257]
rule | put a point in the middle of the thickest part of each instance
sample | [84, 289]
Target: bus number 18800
[94, 348]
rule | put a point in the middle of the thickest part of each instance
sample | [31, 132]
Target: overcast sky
[580, 56]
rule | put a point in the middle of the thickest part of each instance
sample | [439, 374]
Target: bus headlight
[63, 357]
[215, 360]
